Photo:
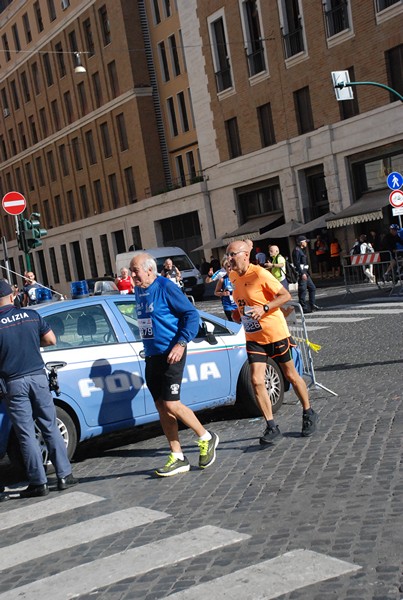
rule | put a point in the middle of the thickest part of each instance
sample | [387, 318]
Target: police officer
[26, 393]
[305, 282]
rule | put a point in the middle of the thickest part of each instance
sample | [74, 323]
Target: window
[253, 37]
[6, 47]
[266, 127]
[73, 47]
[182, 49]
[303, 110]
[84, 201]
[172, 117]
[191, 166]
[174, 55]
[18, 179]
[59, 210]
[99, 199]
[91, 257]
[38, 17]
[120, 122]
[233, 141]
[89, 140]
[89, 40]
[44, 122]
[34, 134]
[105, 26]
[36, 78]
[27, 28]
[64, 160]
[183, 112]
[30, 179]
[16, 38]
[136, 237]
[51, 165]
[349, 108]
[68, 105]
[106, 142]
[4, 154]
[113, 188]
[22, 136]
[76, 153]
[4, 99]
[13, 145]
[156, 12]
[336, 16]
[130, 186]
[55, 115]
[180, 170]
[53, 263]
[96, 84]
[51, 10]
[39, 171]
[113, 79]
[48, 69]
[61, 65]
[14, 94]
[291, 25]
[82, 98]
[71, 206]
[383, 4]
[65, 259]
[163, 61]
[105, 254]
[167, 8]
[220, 52]
[259, 201]
[394, 66]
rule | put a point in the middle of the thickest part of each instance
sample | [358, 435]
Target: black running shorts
[279, 351]
[164, 380]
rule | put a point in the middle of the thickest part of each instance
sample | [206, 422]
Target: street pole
[21, 233]
[4, 242]
[343, 84]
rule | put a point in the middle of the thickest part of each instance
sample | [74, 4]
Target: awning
[367, 208]
[215, 243]
[317, 223]
[282, 231]
[251, 229]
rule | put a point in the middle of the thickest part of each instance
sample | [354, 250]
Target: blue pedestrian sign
[394, 180]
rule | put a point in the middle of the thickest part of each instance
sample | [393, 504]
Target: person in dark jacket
[305, 282]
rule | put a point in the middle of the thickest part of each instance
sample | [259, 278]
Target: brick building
[195, 121]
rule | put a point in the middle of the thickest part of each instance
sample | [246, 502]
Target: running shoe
[173, 466]
[309, 423]
[208, 450]
[272, 435]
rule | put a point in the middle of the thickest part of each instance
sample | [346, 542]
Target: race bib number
[146, 329]
[250, 325]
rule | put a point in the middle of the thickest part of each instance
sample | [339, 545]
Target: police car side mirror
[206, 331]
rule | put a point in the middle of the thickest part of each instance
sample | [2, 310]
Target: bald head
[274, 250]
[238, 256]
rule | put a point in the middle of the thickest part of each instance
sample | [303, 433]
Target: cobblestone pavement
[339, 493]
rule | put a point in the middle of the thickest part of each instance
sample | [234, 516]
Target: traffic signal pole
[22, 242]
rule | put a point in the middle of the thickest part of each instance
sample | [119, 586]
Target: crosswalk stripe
[326, 319]
[270, 579]
[79, 533]
[369, 311]
[46, 508]
[102, 572]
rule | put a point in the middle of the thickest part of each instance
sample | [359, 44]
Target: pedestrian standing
[172, 272]
[124, 283]
[321, 251]
[224, 291]
[305, 282]
[26, 393]
[259, 297]
[30, 289]
[167, 322]
[260, 257]
[335, 257]
[276, 265]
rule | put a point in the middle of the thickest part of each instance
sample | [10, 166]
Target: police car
[100, 366]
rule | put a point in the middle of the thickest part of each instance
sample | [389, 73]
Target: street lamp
[79, 68]
[341, 83]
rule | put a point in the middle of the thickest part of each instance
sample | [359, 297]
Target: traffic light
[33, 232]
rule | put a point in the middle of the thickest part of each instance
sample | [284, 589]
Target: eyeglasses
[232, 254]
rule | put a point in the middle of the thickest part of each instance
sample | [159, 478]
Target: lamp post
[341, 80]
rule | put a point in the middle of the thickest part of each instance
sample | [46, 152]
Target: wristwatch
[183, 344]
[266, 307]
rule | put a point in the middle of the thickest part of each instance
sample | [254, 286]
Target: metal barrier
[297, 326]
[369, 269]
[398, 271]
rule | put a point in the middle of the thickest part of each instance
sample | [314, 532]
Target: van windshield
[180, 261]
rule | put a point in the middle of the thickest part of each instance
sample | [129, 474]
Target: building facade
[196, 121]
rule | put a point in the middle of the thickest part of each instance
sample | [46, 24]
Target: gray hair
[148, 261]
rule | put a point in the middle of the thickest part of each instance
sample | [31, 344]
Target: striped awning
[367, 208]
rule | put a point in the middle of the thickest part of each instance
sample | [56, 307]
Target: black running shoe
[309, 423]
[271, 435]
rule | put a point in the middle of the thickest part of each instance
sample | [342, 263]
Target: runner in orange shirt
[259, 297]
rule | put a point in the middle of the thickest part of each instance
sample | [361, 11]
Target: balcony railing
[256, 62]
[223, 79]
[293, 42]
[382, 4]
[337, 19]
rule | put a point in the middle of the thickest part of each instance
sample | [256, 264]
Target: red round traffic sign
[14, 203]
[396, 199]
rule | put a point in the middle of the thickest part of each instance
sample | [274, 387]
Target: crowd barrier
[369, 269]
[297, 326]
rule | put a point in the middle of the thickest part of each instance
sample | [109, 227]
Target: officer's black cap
[5, 288]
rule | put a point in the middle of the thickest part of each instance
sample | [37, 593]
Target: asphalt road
[317, 518]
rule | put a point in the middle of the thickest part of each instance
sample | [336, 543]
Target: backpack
[291, 272]
[356, 249]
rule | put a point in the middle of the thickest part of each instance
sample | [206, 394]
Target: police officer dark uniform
[305, 282]
[26, 393]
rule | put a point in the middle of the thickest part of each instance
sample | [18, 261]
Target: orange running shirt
[258, 287]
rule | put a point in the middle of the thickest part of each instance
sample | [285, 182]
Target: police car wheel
[245, 397]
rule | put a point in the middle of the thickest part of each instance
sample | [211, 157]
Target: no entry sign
[14, 203]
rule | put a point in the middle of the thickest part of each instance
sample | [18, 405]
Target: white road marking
[336, 319]
[88, 577]
[74, 535]
[46, 508]
[270, 579]
[367, 311]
